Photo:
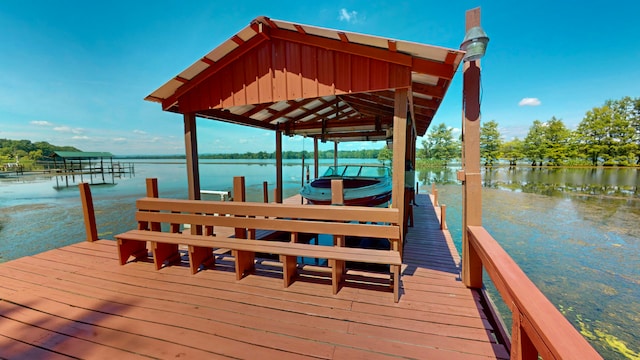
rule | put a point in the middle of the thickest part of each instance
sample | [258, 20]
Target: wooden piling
[88, 212]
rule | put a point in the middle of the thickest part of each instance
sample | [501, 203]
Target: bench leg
[395, 270]
[245, 262]
[337, 272]
[164, 253]
[128, 248]
[289, 268]
[200, 257]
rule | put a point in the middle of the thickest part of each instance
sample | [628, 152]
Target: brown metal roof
[305, 80]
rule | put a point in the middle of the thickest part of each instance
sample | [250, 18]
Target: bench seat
[200, 249]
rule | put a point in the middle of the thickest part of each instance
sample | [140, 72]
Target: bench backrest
[315, 219]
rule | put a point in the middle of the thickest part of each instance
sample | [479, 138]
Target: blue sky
[76, 72]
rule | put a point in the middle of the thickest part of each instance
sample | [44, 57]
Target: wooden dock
[77, 302]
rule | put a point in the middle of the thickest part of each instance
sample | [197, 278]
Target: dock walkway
[77, 302]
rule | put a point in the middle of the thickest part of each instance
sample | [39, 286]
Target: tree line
[608, 135]
[27, 150]
[263, 155]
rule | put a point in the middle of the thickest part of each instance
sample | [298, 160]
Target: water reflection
[562, 182]
[574, 232]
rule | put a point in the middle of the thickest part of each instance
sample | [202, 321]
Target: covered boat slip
[77, 302]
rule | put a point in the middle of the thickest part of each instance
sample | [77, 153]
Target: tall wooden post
[191, 147]
[315, 158]
[278, 190]
[399, 151]
[470, 176]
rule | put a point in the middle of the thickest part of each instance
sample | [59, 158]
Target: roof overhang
[312, 81]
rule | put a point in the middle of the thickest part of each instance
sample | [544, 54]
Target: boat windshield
[357, 171]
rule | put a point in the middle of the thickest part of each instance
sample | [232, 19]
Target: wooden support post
[472, 184]
[152, 192]
[201, 257]
[265, 191]
[90, 226]
[239, 195]
[399, 151]
[395, 270]
[191, 147]
[162, 253]
[315, 158]
[337, 273]
[289, 268]
[279, 184]
[335, 153]
[245, 262]
[337, 192]
[337, 267]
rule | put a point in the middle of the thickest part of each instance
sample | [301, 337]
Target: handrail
[538, 327]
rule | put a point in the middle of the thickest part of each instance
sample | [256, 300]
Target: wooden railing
[539, 329]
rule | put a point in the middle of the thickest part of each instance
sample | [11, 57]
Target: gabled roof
[306, 80]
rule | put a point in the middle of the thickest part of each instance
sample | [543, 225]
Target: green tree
[385, 154]
[490, 142]
[610, 133]
[513, 151]
[440, 145]
[533, 143]
[556, 141]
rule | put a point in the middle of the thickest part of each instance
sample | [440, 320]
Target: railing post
[443, 217]
[435, 197]
[521, 346]
[89, 214]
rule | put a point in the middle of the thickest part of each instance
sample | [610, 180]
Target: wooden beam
[229, 117]
[428, 90]
[430, 67]
[191, 150]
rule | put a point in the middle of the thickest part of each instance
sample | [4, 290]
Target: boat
[363, 185]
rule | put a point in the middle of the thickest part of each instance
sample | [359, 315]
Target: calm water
[573, 231]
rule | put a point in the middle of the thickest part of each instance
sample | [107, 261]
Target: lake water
[573, 231]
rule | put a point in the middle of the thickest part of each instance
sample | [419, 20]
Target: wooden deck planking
[78, 294]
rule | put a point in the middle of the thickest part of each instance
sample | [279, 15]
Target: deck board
[77, 302]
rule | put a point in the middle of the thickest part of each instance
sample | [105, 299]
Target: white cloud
[529, 102]
[139, 132]
[67, 129]
[80, 137]
[120, 139]
[348, 16]
[41, 123]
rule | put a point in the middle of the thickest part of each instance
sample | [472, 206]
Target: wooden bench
[245, 218]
